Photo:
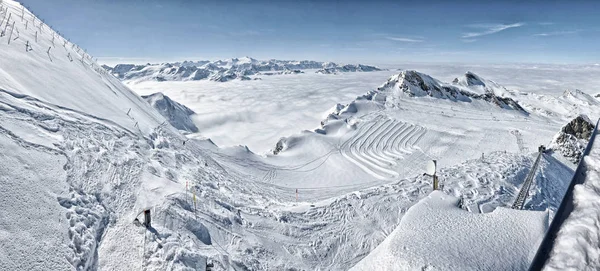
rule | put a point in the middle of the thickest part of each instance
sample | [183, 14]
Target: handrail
[564, 210]
[522, 196]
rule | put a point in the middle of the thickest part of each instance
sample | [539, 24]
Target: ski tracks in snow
[378, 144]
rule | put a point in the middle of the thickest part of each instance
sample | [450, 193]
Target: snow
[224, 70]
[262, 111]
[81, 156]
[577, 245]
[177, 114]
[435, 234]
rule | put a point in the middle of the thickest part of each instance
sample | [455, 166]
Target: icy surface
[435, 234]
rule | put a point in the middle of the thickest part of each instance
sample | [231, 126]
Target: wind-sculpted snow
[226, 70]
[436, 234]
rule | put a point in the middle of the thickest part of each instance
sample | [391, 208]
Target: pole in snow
[431, 169]
[194, 202]
[296, 194]
[6, 25]
[11, 31]
[147, 218]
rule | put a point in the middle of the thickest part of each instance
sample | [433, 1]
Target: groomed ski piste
[81, 156]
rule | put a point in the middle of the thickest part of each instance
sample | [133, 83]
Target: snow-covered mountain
[177, 114]
[332, 68]
[572, 138]
[81, 156]
[225, 70]
[480, 85]
[413, 84]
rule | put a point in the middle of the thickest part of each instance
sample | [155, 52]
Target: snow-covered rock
[479, 85]
[332, 68]
[410, 83]
[572, 139]
[177, 114]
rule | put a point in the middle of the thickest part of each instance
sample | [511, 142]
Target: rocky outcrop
[573, 138]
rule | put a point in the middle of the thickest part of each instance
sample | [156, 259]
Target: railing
[563, 212]
[520, 201]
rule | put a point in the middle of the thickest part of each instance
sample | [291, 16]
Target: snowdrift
[435, 234]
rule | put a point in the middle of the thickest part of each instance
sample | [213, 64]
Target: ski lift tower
[431, 170]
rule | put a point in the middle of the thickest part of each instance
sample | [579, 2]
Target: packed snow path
[524, 192]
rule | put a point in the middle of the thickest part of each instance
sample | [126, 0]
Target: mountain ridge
[226, 70]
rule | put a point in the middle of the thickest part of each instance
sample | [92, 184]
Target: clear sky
[369, 32]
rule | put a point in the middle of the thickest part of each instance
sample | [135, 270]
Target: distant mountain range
[226, 70]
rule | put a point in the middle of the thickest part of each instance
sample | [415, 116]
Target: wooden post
[435, 182]
[11, 31]
[6, 25]
[147, 218]
[194, 202]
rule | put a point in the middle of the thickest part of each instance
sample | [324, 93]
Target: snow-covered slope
[177, 114]
[224, 70]
[480, 85]
[81, 156]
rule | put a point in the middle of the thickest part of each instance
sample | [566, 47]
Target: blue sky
[375, 32]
